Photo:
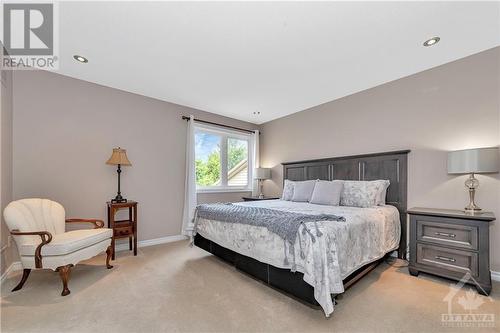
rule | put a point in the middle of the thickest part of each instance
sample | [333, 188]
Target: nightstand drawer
[123, 232]
[449, 259]
[449, 234]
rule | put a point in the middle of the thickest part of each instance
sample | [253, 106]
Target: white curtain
[190, 183]
[256, 162]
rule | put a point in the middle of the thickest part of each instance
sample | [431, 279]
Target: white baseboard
[15, 266]
[495, 276]
[149, 242]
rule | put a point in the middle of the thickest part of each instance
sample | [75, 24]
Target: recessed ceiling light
[80, 58]
[431, 41]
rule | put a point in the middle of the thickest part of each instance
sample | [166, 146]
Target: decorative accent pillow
[288, 190]
[362, 193]
[327, 192]
[383, 193]
[302, 191]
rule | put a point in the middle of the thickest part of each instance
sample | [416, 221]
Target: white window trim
[226, 133]
[223, 190]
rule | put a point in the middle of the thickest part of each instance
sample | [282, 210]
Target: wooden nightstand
[451, 243]
[257, 198]
[123, 228]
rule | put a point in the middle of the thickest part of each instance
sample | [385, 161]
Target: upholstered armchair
[39, 230]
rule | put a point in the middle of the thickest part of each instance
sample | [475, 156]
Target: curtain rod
[216, 124]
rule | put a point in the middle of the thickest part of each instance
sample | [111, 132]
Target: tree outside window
[221, 160]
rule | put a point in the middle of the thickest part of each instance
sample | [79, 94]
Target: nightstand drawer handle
[445, 259]
[445, 234]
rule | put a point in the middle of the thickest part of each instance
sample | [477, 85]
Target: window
[223, 159]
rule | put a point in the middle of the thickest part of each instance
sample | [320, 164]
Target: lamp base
[472, 209]
[261, 187]
[472, 184]
[118, 199]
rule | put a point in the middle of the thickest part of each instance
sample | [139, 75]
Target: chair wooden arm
[97, 223]
[44, 235]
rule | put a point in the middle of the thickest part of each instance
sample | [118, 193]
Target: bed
[347, 250]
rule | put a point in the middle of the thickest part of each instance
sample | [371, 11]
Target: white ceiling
[277, 58]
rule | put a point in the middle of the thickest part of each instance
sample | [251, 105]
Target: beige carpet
[173, 287]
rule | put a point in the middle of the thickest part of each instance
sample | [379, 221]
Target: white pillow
[288, 190]
[363, 193]
[302, 191]
[327, 192]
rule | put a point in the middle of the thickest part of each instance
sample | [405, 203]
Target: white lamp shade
[262, 173]
[479, 160]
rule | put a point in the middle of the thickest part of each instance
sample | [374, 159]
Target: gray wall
[64, 131]
[9, 252]
[450, 107]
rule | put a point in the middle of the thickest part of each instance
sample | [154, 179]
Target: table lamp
[262, 174]
[472, 161]
[119, 157]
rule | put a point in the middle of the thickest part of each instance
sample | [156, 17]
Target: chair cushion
[68, 242]
[53, 262]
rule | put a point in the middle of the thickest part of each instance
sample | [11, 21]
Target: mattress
[366, 235]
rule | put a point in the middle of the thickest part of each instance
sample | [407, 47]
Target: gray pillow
[383, 192]
[327, 193]
[288, 190]
[302, 191]
[362, 193]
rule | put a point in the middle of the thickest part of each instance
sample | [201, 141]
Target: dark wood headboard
[388, 165]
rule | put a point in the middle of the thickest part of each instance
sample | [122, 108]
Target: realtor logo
[28, 29]
[470, 303]
[29, 36]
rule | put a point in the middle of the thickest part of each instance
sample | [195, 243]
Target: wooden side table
[123, 228]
